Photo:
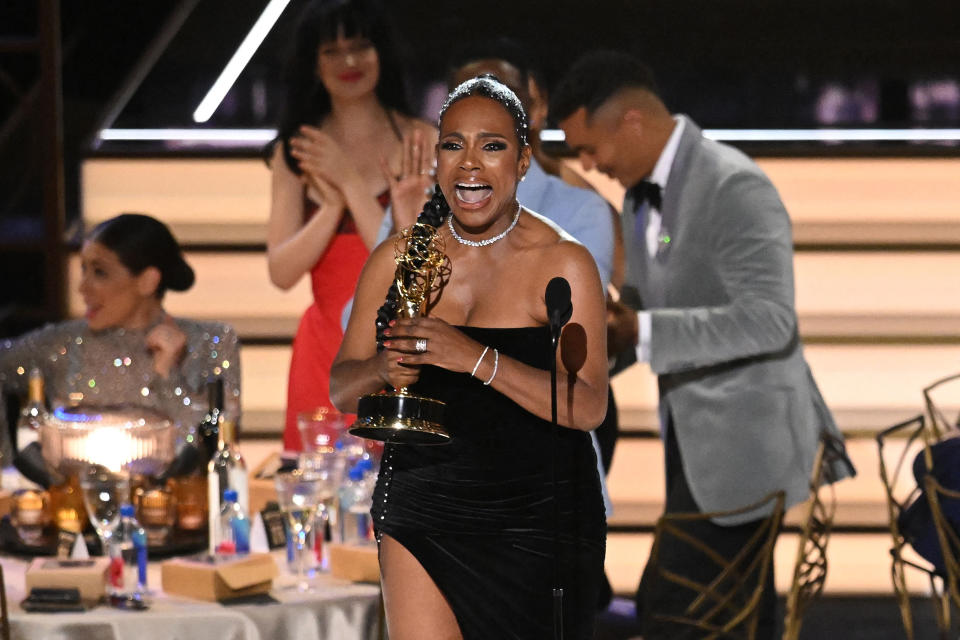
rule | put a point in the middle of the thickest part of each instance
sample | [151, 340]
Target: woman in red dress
[346, 146]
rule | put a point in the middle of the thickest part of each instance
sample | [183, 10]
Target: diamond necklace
[483, 243]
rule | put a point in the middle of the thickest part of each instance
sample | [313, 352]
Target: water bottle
[128, 556]
[350, 447]
[234, 527]
[356, 499]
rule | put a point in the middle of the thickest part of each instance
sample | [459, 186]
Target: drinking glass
[332, 469]
[301, 493]
[320, 429]
[103, 493]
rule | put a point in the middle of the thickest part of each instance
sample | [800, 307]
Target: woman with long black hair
[346, 147]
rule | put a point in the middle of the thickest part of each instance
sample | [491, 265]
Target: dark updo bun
[141, 241]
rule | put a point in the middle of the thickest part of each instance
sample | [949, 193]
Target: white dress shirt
[659, 176]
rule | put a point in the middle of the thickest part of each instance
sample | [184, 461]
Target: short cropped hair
[501, 48]
[594, 79]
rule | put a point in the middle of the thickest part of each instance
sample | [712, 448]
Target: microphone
[559, 310]
[557, 299]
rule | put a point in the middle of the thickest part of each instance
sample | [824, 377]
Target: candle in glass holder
[29, 515]
[66, 505]
[157, 515]
[190, 499]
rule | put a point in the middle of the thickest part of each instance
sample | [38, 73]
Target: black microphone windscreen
[557, 299]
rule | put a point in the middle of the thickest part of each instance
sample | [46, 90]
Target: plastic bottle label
[140, 544]
[115, 572]
[241, 534]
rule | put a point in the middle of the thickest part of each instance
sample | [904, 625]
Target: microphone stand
[559, 310]
[557, 588]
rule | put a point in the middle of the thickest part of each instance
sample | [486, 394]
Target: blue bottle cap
[230, 495]
[126, 511]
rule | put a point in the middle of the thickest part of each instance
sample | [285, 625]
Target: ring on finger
[421, 345]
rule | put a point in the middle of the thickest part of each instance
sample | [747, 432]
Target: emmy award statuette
[399, 416]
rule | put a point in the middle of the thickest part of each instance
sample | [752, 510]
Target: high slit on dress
[478, 513]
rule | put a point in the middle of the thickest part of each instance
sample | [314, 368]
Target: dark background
[728, 63]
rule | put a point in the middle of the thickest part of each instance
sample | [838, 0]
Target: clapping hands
[325, 168]
[319, 155]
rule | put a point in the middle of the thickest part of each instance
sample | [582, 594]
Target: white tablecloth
[335, 610]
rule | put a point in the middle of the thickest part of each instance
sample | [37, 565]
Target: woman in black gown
[466, 529]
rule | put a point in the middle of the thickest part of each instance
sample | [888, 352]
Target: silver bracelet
[479, 360]
[496, 361]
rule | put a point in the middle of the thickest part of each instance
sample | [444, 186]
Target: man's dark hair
[594, 79]
[506, 49]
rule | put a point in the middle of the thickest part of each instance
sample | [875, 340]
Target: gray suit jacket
[746, 412]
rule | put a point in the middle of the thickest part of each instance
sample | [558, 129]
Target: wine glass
[301, 493]
[103, 493]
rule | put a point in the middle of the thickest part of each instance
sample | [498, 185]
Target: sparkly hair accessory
[489, 86]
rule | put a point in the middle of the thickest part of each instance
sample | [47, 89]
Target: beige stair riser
[857, 564]
[834, 191]
[194, 190]
[867, 386]
[636, 484]
[177, 190]
[838, 293]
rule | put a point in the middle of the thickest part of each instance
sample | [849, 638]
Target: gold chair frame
[916, 429]
[947, 535]
[940, 425]
[731, 592]
[810, 566]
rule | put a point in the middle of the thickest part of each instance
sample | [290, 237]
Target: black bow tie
[646, 191]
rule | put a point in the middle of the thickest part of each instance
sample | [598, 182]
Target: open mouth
[471, 193]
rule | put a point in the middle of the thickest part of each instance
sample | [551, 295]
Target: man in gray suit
[708, 301]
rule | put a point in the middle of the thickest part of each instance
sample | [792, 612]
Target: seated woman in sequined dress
[126, 348]
[472, 532]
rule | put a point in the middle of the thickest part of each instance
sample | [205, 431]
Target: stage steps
[841, 296]
[877, 293]
[841, 201]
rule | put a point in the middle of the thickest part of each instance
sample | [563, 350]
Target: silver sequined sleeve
[114, 366]
[17, 357]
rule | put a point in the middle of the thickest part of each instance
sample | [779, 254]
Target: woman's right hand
[412, 187]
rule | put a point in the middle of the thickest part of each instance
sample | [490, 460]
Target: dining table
[332, 609]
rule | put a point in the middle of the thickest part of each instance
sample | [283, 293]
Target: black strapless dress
[478, 513]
